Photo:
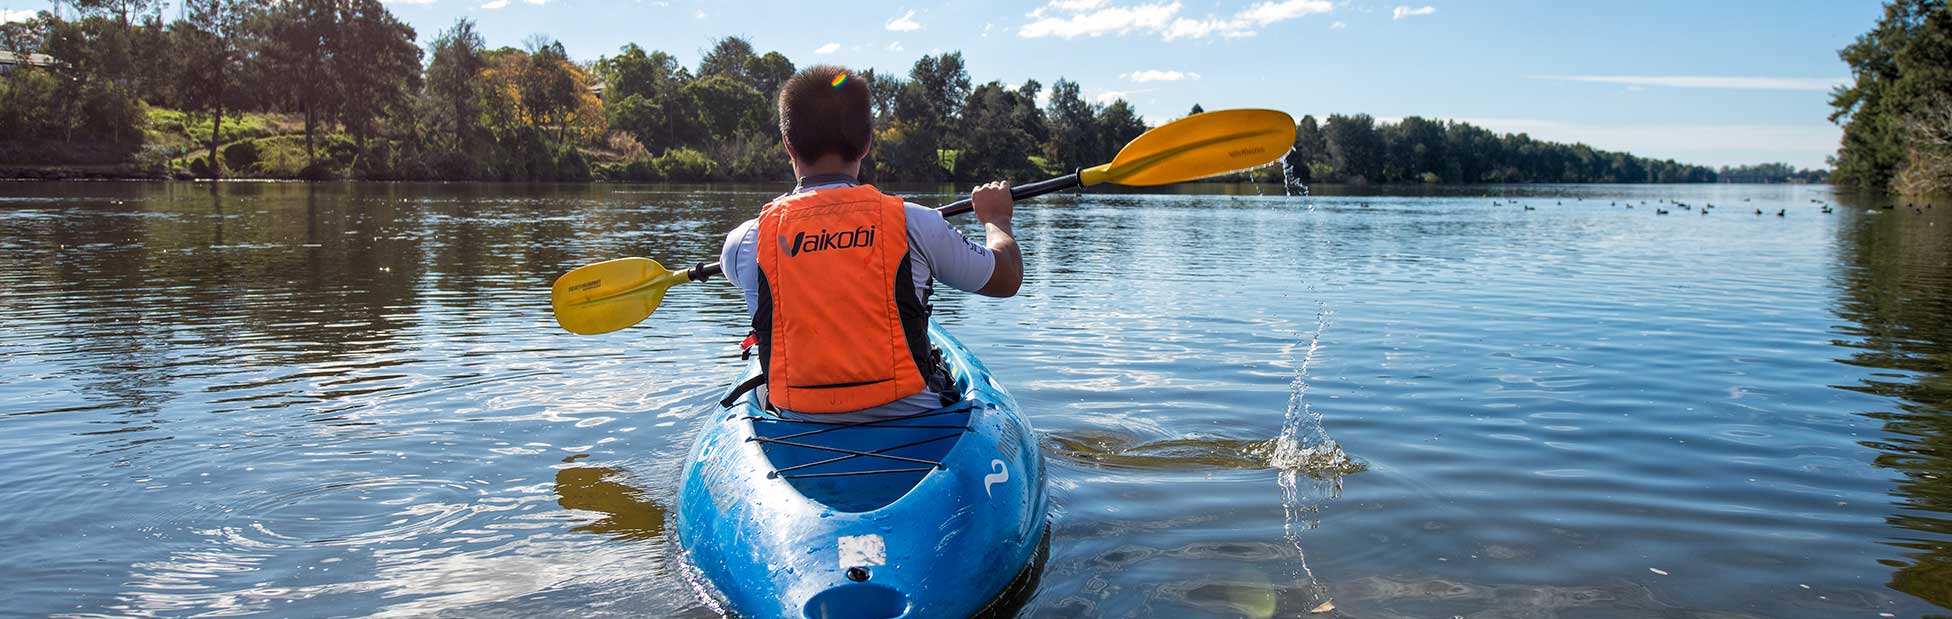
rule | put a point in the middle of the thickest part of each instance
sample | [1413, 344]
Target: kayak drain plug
[857, 574]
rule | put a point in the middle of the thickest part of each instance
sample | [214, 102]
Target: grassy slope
[279, 140]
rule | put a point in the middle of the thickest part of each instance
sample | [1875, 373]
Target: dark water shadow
[627, 514]
[1895, 274]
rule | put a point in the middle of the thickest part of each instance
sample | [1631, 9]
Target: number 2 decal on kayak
[1001, 475]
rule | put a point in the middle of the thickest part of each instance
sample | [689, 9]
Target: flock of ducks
[1705, 207]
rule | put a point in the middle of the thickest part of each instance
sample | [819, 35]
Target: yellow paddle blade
[1199, 146]
[611, 295]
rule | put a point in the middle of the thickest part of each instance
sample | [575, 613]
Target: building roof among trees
[39, 60]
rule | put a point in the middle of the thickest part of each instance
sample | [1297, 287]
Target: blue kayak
[938, 514]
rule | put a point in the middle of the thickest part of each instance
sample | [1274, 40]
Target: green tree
[944, 84]
[643, 90]
[725, 107]
[1901, 65]
[552, 88]
[97, 66]
[1118, 124]
[453, 77]
[997, 142]
[767, 73]
[1413, 150]
[376, 65]
[1309, 150]
[28, 92]
[1354, 147]
[209, 39]
[729, 57]
[295, 52]
[929, 102]
[883, 90]
[1196, 110]
[1928, 139]
[1029, 117]
[1074, 136]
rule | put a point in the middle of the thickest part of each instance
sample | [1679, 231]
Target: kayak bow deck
[928, 515]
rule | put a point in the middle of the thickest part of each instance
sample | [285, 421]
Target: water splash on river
[1304, 450]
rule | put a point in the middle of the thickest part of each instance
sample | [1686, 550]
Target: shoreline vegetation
[341, 90]
[1897, 110]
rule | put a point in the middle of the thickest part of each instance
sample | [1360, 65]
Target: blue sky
[1717, 82]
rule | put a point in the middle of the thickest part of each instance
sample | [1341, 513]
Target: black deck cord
[871, 423]
[850, 473]
[840, 450]
[835, 459]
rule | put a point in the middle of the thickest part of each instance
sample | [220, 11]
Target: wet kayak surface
[282, 400]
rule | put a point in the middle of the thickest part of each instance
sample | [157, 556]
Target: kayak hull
[814, 543]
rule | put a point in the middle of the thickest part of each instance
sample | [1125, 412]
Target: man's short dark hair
[824, 109]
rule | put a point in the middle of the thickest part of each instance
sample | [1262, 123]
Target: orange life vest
[839, 325]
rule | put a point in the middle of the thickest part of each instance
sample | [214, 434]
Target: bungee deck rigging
[850, 454]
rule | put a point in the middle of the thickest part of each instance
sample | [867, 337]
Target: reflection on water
[261, 399]
[1897, 285]
[627, 515]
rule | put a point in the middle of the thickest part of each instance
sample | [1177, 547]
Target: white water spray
[1304, 450]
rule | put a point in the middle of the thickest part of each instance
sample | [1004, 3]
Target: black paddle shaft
[703, 272]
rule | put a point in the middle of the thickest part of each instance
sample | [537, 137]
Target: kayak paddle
[614, 294]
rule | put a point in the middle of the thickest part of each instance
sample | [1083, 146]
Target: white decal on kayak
[1001, 475]
[862, 551]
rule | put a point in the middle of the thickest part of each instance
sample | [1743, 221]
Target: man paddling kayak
[899, 516]
[837, 275]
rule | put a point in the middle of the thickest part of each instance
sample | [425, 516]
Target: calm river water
[285, 400]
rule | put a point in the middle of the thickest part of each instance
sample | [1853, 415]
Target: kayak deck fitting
[928, 515]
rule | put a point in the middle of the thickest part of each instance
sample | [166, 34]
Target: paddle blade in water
[610, 295]
[1199, 146]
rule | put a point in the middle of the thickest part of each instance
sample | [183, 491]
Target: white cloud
[1269, 12]
[495, 4]
[828, 48]
[1108, 96]
[905, 23]
[1155, 75]
[534, 2]
[1815, 84]
[8, 16]
[698, 13]
[1067, 19]
[1338, 25]
[1099, 21]
[1201, 28]
[895, 46]
[1404, 11]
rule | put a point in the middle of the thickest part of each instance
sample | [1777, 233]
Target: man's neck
[830, 164]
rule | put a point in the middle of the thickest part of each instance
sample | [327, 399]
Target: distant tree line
[364, 100]
[1772, 173]
[1357, 149]
[340, 88]
[1897, 110]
